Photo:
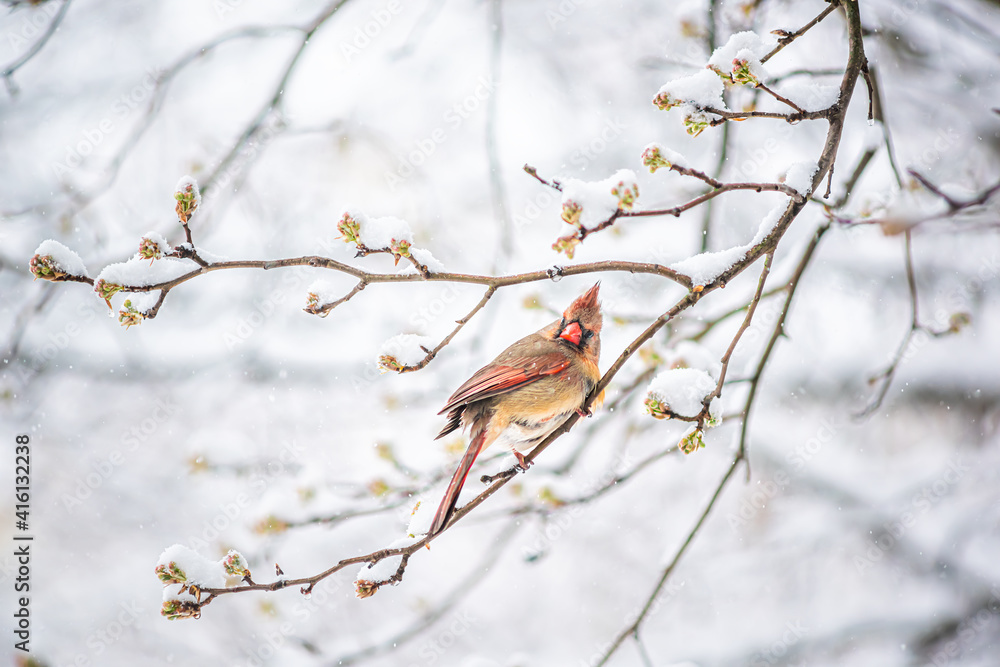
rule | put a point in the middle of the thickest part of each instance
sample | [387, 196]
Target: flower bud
[742, 75]
[188, 199]
[627, 194]
[106, 290]
[399, 249]
[128, 316]
[654, 159]
[692, 441]
[695, 123]
[150, 249]
[387, 363]
[349, 229]
[571, 213]
[664, 101]
[44, 267]
[656, 407]
[236, 565]
[566, 245]
[365, 589]
[171, 573]
[175, 610]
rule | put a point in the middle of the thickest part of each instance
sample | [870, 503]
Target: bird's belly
[524, 434]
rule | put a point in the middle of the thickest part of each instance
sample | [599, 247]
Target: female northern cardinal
[527, 392]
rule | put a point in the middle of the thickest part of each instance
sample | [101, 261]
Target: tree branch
[786, 38]
[50, 29]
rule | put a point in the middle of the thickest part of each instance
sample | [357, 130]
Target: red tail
[447, 506]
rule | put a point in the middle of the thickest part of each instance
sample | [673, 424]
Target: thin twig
[789, 37]
[856, 58]
[366, 278]
[885, 376]
[462, 589]
[277, 97]
[582, 232]
[531, 171]
[878, 114]
[490, 291]
[791, 119]
[50, 29]
[780, 98]
[669, 569]
[739, 332]
[776, 332]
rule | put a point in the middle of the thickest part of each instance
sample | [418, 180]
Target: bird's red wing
[495, 380]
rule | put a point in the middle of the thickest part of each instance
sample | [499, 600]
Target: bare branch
[447, 339]
[277, 96]
[955, 205]
[366, 278]
[855, 62]
[324, 309]
[791, 118]
[582, 232]
[786, 38]
[531, 171]
[780, 98]
[50, 29]
[460, 590]
[886, 376]
[669, 569]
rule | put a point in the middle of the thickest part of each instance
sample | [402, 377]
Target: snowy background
[235, 420]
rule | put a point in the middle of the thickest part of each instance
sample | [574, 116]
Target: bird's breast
[523, 434]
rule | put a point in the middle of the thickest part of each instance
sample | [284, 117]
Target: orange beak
[572, 333]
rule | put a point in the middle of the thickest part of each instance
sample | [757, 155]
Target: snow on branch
[692, 393]
[54, 261]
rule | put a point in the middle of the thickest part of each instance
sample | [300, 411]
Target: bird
[526, 393]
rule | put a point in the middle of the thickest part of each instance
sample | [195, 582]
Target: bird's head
[581, 323]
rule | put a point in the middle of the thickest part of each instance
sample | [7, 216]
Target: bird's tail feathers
[447, 506]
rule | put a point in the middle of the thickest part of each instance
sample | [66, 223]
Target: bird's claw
[585, 413]
[522, 462]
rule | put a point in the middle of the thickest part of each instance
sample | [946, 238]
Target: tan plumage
[527, 392]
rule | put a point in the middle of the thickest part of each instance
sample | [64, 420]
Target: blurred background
[235, 420]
